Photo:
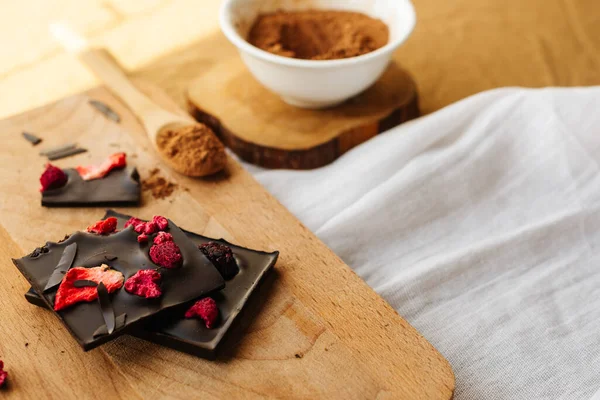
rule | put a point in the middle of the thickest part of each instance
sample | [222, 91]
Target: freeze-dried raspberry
[104, 227]
[222, 258]
[114, 161]
[68, 294]
[150, 228]
[145, 283]
[163, 237]
[166, 255]
[133, 221]
[3, 374]
[206, 309]
[157, 224]
[52, 178]
[143, 238]
[161, 222]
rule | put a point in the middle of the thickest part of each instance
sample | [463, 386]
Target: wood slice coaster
[263, 130]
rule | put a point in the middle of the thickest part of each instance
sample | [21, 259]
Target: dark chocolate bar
[196, 277]
[190, 335]
[121, 187]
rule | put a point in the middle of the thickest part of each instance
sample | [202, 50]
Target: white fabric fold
[480, 224]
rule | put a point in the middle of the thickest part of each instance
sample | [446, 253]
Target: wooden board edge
[310, 158]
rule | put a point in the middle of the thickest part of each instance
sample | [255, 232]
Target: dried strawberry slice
[52, 178]
[104, 227]
[114, 161]
[3, 374]
[205, 309]
[145, 283]
[68, 294]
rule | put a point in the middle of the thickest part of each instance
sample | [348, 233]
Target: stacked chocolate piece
[146, 278]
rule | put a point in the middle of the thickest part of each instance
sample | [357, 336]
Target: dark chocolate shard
[65, 263]
[110, 257]
[85, 283]
[106, 110]
[31, 138]
[107, 310]
[66, 153]
[58, 149]
[116, 189]
[119, 323]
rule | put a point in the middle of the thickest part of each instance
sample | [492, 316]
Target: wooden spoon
[203, 155]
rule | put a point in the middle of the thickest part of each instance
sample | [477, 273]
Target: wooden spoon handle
[109, 71]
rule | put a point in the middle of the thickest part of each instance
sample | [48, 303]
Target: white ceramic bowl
[321, 83]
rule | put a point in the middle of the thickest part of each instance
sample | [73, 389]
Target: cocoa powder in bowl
[318, 34]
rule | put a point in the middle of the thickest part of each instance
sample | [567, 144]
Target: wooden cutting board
[314, 329]
[262, 129]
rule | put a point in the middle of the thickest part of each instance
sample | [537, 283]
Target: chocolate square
[121, 187]
[195, 278]
[172, 330]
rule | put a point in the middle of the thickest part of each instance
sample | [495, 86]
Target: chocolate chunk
[65, 263]
[171, 329]
[65, 153]
[106, 110]
[31, 138]
[196, 278]
[103, 330]
[86, 283]
[119, 188]
[107, 310]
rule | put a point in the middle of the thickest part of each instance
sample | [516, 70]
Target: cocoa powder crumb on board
[318, 34]
[158, 185]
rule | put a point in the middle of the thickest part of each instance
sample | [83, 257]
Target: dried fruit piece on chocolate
[163, 237]
[143, 238]
[145, 283]
[206, 309]
[222, 258]
[157, 224]
[52, 178]
[165, 252]
[68, 294]
[38, 251]
[114, 161]
[133, 221]
[161, 222]
[104, 227]
[3, 374]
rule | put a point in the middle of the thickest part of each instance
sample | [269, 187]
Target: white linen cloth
[479, 224]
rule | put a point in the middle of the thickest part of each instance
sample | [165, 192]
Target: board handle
[108, 70]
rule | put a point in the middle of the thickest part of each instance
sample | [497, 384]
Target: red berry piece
[68, 295]
[150, 228]
[145, 283]
[133, 221]
[161, 222]
[163, 237]
[143, 238]
[166, 255]
[205, 309]
[222, 258]
[114, 161]
[52, 178]
[104, 227]
[3, 374]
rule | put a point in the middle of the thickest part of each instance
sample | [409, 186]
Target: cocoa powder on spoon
[192, 150]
